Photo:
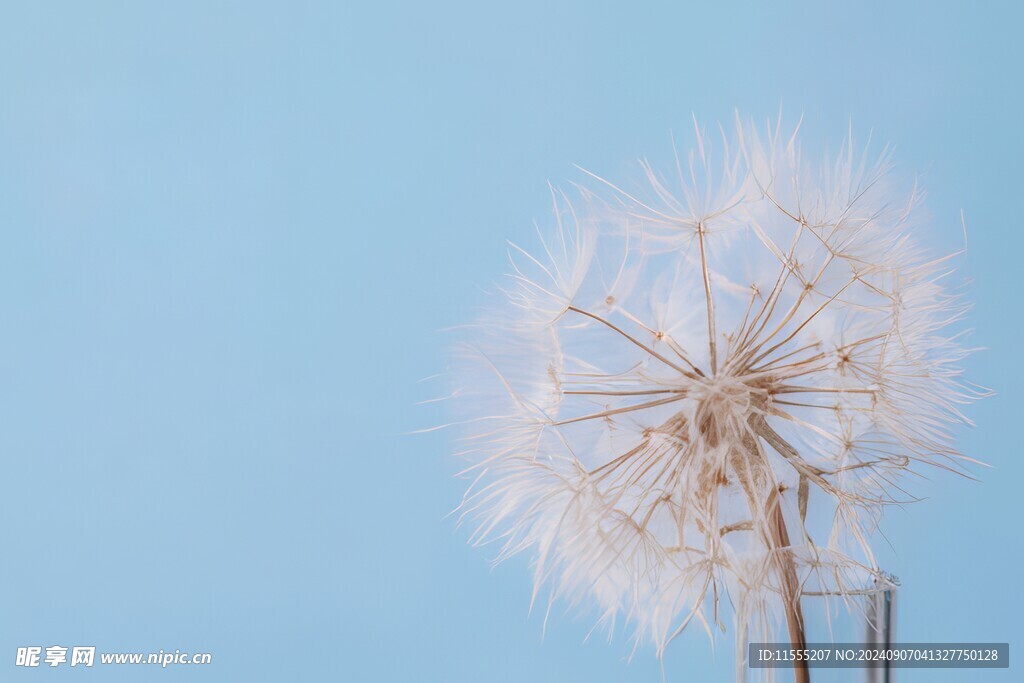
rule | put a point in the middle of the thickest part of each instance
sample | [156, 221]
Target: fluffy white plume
[702, 393]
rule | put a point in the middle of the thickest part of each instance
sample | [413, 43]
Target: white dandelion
[702, 394]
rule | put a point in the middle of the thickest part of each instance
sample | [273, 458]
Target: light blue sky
[231, 232]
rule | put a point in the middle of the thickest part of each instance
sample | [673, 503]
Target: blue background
[231, 233]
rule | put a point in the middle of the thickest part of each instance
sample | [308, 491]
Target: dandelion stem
[754, 474]
[789, 584]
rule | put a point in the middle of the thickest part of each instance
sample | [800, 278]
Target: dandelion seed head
[702, 393]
